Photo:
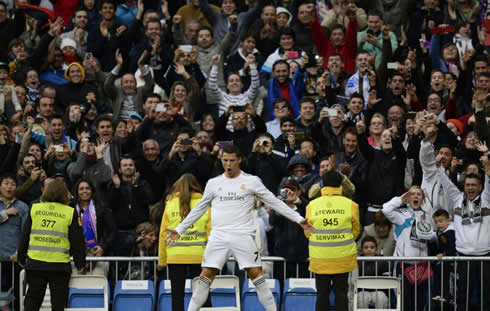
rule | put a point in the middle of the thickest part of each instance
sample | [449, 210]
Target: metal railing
[395, 268]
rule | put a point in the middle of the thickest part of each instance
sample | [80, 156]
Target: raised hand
[482, 147]
[177, 19]
[56, 26]
[215, 59]
[119, 58]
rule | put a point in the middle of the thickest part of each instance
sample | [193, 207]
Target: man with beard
[29, 182]
[79, 33]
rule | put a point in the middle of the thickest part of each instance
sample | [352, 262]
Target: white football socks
[200, 295]
[264, 293]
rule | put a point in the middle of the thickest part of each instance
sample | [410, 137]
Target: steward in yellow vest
[183, 259]
[190, 247]
[332, 246]
[51, 234]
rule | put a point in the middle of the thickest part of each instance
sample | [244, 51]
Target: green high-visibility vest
[49, 232]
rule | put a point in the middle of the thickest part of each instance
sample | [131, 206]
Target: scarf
[275, 92]
[32, 94]
[89, 224]
[471, 213]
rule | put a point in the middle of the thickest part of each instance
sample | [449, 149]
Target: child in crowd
[366, 297]
[446, 246]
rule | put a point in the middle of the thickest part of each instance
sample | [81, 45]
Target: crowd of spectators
[120, 99]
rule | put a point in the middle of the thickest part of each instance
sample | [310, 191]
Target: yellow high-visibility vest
[191, 244]
[332, 246]
[49, 241]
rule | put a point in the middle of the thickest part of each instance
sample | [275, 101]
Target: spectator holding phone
[264, 163]
[241, 135]
[186, 157]
[371, 39]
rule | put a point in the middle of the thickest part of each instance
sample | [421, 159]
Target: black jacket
[358, 170]
[129, 203]
[243, 139]
[77, 248]
[287, 234]
[270, 168]
[386, 171]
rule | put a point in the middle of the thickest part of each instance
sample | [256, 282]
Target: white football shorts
[223, 244]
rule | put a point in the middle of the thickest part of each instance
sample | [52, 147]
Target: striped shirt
[225, 99]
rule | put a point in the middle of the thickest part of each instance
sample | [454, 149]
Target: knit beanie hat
[458, 124]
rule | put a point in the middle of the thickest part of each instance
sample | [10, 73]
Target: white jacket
[431, 184]
[472, 232]
[408, 241]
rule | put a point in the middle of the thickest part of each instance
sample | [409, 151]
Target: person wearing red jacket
[340, 41]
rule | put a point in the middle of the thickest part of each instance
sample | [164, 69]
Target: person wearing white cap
[79, 33]
[68, 47]
[283, 17]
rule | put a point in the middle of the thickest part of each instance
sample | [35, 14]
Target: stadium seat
[250, 301]
[88, 292]
[378, 282]
[165, 295]
[134, 296]
[225, 293]
[299, 294]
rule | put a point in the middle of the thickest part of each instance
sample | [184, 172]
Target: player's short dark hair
[230, 149]
[441, 213]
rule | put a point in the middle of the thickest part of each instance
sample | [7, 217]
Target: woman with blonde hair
[183, 258]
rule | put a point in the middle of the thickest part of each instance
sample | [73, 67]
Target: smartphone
[161, 108]
[185, 48]
[263, 142]
[460, 162]
[411, 115]
[393, 66]
[239, 109]
[332, 112]
[89, 55]
[224, 143]
[421, 115]
[292, 54]
[186, 142]
[299, 135]
[370, 32]
[38, 121]
[58, 148]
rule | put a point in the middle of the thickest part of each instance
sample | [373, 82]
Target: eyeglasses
[239, 118]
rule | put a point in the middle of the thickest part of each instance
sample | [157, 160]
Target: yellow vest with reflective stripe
[332, 246]
[191, 244]
[49, 232]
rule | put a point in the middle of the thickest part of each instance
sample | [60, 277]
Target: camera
[283, 194]
[186, 142]
[264, 142]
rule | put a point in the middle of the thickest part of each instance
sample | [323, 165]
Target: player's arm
[279, 206]
[192, 217]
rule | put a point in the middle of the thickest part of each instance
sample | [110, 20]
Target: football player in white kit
[233, 227]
